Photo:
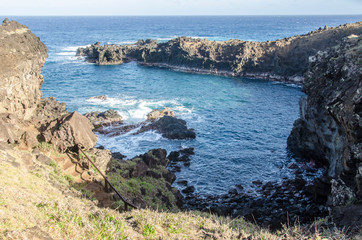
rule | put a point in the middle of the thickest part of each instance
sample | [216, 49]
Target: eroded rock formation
[69, 131]
[329, 129]
[22, 56]
[284, 60]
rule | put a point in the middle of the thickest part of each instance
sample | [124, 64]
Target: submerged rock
[100, 97]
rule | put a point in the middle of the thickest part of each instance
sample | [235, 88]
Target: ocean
[241, 124]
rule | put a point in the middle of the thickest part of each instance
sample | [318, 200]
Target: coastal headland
[283, 60]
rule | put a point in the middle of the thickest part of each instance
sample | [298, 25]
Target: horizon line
[186, 15]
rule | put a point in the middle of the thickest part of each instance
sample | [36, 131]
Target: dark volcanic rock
[285, 59]
[170, 127]
[329, 129]
[106, 118]
[150, 169]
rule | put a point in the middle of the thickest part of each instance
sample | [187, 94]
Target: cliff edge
[329, 129]
[22, 56]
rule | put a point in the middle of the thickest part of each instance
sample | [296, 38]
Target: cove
[241, 124]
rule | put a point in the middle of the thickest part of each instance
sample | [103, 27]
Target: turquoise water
[241, 124]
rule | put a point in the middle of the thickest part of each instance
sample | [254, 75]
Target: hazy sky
[178, 7]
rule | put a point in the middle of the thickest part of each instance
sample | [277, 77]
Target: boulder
[70, 130]
[170, 127]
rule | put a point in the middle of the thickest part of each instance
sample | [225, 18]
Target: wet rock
[170, 127]
[118, 155]
[293, 166]
[233, 191]
[100, 97]
[182, 182]
[106, 118]
[188, 190]
[257, 182]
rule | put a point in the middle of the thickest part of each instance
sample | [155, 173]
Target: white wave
[65, 54]
[125, 42]
[135, 110]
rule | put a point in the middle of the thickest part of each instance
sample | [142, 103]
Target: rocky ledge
[282, 60]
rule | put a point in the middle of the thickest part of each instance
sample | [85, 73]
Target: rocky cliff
[284, 60]
[329, 129]
[22, 56]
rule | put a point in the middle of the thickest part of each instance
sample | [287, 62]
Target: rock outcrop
[156, 114]
[106, 118]
[329, 129]
[49, 109]
[68, 131]
[170, 127]
[147, 181]
[22, 56]
[283, 60]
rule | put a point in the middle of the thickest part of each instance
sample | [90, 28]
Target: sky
[178, 7]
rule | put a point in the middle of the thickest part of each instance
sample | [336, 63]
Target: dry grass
[37, 202]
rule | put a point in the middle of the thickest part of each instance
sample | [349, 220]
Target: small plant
[44, 146]
[69, 178]
[148, 230]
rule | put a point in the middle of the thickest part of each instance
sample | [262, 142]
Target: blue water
[241, 124]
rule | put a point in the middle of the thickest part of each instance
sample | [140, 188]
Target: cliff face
[22, 56]
[329, 129]
[285, 59]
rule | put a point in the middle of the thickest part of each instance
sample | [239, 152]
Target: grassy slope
[37, 201]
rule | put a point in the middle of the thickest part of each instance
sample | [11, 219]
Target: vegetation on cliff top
[38, 201]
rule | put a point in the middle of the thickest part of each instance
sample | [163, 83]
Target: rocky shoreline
[283, 60]
[327, 134]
